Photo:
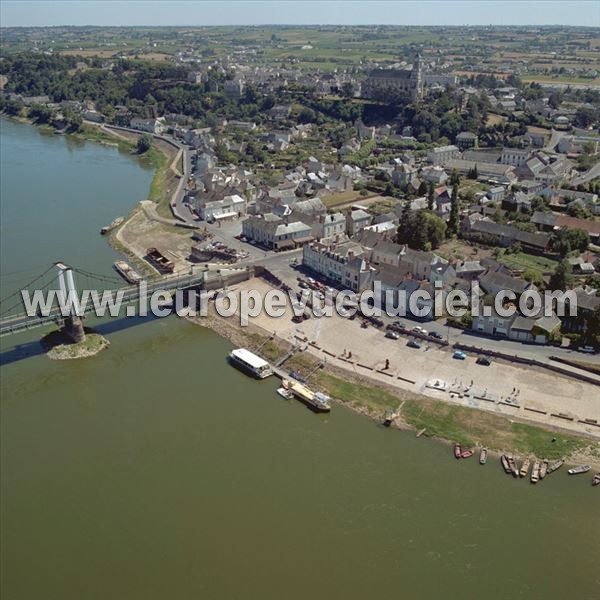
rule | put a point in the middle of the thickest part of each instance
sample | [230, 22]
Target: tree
[347, 89]
[454, 217]
[592, 331]
[307, 115]
[404, 234]
[560, 279]
[565, 241]
[421, 229]
[430, 196]
[144, 143]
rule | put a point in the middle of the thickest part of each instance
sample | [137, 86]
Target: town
[416, 169]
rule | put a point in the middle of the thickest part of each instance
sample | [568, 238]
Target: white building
[442, 154]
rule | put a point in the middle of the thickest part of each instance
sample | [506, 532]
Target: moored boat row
[257, 367]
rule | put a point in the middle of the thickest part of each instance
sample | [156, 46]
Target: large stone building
[384, 81]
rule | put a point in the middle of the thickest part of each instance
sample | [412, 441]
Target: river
[155, 470]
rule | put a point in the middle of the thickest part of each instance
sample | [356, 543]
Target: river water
[155, 470]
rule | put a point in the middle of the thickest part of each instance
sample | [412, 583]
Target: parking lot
[364, 349]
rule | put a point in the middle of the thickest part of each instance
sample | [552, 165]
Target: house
[587, 303]
[329, 226]
[534, 330]
[233, 88]
[229, 207]
[518, 202]
[496, 193]
[155, 126]
[93, 115]
[466, 139]
[514, 156]
[436, 175]
[442, 154]
[356, 220]
[310, 207]
[493, 324]
[397, 290]
[494, 282]
[469, 270]
[403, 174]
[363, 132]
[275, 233]
[491, 233]
[581, 267]
[341, 263]
[280, 111]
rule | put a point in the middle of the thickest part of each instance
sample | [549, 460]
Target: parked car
[484, 361]
[459, 354]
[392, 335]
[413, 344]
[587, 349]
[303, 285]
[418, 329]
[436, 335]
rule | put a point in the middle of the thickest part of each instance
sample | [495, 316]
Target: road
[279, 264]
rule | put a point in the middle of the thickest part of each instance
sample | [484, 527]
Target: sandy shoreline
[230, 330]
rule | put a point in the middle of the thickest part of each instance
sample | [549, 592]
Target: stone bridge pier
[72, 325]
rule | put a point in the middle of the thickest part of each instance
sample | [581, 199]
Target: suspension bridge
[61, 278]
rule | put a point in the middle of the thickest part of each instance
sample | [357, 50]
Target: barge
[113, 225]
[159, 260]
[314, 400]
[127, 272]
[250, 363]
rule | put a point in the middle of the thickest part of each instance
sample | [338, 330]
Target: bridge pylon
[72, 325]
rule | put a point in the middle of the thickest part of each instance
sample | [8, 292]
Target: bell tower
[418, 77]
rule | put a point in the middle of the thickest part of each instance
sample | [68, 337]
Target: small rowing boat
[557, 464]
[543, 469]
[513, 465]
[457, 451]
[525, 468]
[579, 470]
[467, 453]
[483, 456]
[285, 393]
[535, 472]
[505, 465]
[596, 480]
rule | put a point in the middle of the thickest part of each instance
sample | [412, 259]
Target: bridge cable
[35, 280]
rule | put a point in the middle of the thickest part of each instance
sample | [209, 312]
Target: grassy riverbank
[440, 419]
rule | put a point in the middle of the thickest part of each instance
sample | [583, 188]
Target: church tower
[417, 76]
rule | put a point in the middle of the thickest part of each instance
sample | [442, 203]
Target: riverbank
[441, 421]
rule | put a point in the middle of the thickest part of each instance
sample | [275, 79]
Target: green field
[528, 262]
